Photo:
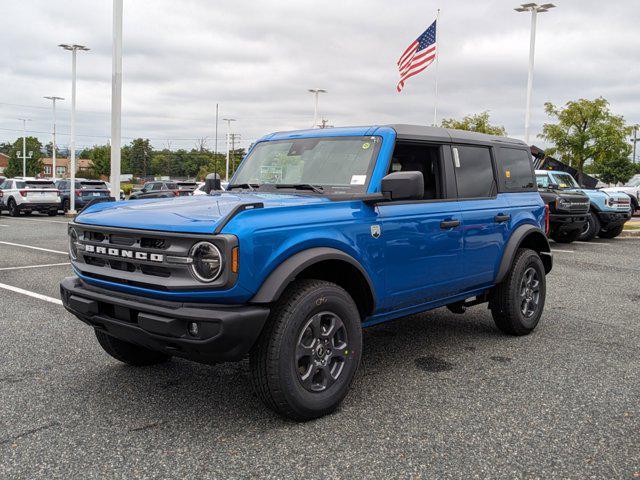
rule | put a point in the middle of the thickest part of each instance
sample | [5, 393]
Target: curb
[630, 233]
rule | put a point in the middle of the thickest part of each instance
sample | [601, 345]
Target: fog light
[193, 329]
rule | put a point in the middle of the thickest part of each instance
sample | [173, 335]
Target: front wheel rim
[321, 351]
[529, 292]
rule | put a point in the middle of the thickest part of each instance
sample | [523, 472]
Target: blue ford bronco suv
[319, 234]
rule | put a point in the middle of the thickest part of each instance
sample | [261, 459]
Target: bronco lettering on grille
[117, 252]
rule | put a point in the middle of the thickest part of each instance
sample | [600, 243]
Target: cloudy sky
[257, 60]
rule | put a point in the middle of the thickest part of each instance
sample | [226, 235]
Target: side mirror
[403, 186]
[554, 186]
[212, 183]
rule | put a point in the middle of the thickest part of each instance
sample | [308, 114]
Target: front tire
[612, 232]
[518, 301]
[591, 228]
[129, 353]
[306, 357]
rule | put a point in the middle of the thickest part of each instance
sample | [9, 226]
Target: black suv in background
[159, 189]
[85, 191]
[568, 211]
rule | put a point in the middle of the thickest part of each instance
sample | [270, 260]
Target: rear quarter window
[516, 169]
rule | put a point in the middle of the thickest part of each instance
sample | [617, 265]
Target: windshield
[564, 180]
[94, 185]
[337, 164]
[542, 180]
[635, 182]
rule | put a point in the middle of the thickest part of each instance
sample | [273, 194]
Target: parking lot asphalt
[438, 395]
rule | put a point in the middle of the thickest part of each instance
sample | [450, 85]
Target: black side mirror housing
[403, 186]
[553, 186]
[212, 183]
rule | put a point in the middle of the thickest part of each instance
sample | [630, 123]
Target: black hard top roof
[438, 134]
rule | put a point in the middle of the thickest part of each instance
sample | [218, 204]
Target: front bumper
[225, 332]
[613, 219]
[565, 222]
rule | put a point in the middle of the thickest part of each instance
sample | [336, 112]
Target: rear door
[485, 214]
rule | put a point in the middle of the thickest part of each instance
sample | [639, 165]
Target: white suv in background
[631, 188]
[29, 195]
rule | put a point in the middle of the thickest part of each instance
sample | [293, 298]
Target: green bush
[126, 188]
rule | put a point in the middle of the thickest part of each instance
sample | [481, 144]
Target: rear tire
[66, 205]
[129, 353]
[518, 301]
[591, 228]
[14, 211]
[566, 237]
[306, 357]
[612, 232]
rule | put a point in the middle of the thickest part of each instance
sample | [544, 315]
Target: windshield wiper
[250, 186]
[302, 186]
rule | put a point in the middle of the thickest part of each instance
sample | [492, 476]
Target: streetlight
[534, 8]
[53, 99]
[316, 92]
[228, 120]
[24, 145]
[73, 49]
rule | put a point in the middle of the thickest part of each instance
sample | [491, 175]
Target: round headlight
[207, 261]
[73, 246]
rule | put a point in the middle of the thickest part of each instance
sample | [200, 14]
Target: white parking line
[35, 220]
[4, 225]
[591, 243]
[35, 248]
[554, 250]
[34, 266]
[31, 294]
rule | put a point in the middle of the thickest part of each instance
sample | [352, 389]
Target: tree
[49, 149]
[586, 131]
[478, 122]
[34, 165]
[100, 156]
[140, 156]
[5, 147]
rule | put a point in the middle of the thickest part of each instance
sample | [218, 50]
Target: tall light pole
[316, 92]
[228, 120]
[24, 145]
[635, 140]
[116, 99]
[72, 143]
[53, 155]
[534, 8]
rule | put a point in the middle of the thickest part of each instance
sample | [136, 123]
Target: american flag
[418, 56]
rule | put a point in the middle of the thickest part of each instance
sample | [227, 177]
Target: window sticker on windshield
[563, 185]
[358, 179]
[270, 174]
[366, 145]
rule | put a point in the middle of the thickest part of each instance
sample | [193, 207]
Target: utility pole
[534, 9]
[228, 120]
[233, 138]
[215, 145]
[116, 100]
[73, 49]
[24, 145]
[53, 154]
[635, 141]
[316, 92]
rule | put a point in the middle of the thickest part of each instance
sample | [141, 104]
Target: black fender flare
[522, 233]
[287, 271]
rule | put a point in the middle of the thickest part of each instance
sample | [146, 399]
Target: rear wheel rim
[321, 351]
[529, 292]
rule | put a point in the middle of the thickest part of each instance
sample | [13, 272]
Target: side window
[516, 168]
[474, 172]
[415, 157]
[543, 180]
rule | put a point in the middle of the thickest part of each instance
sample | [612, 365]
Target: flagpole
[435, 103]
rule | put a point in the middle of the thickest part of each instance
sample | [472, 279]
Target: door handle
[449, 224]
[501, 218]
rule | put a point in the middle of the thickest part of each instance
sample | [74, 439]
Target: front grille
[149, 259]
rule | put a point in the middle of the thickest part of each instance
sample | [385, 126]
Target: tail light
[1, 194]
[57, 193]
[78, 192]
[23, 193]
[546, 219]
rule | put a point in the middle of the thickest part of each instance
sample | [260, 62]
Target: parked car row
[577, 213]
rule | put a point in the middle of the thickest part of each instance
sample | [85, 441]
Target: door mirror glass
[403, 186]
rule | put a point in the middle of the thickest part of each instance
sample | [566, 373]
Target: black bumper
[565, 222]
[225, 333]
[39, 207]
[613, 219]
